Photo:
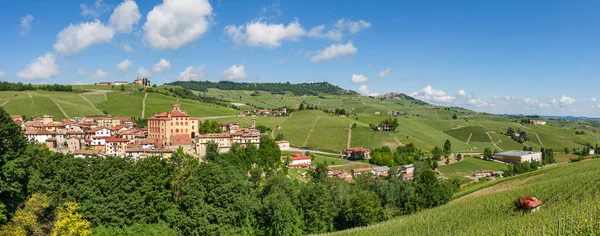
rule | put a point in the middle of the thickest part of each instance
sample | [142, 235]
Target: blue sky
[531, 57]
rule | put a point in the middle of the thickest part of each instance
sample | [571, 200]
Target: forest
[297, 89]
[245, 191]
[7, 86]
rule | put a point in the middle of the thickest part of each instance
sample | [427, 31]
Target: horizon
[494, 57]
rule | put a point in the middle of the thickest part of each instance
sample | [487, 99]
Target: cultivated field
[468, 166]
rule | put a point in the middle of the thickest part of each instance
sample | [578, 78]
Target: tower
[253, 125]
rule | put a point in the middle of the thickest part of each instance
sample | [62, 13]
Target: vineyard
[462, 134]
[570, 208]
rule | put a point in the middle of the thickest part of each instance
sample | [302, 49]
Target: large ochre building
[172, 128]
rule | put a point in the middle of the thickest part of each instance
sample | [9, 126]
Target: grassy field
[330, 160]
[477, 133]
[468, 166]
[569, 206]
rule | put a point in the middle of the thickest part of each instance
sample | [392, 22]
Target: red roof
[530, 202]
[407, 175]
[298, 156]
[355, 149]
[39, 132]
[299, 165]
[50, 140]
[114, 139]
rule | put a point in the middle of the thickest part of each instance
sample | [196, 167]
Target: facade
[39, 135]
[116, 146]
[363, 171]
[538, 122]
[175, 127]
[138, 81]
[518, 156]
[300, 161]
[358, 153]
[243, 136]
[283, 145]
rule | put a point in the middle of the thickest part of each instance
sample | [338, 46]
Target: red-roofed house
[174, 128]
[300, 161]
[358, 153]
[39, 135]
[116, 146]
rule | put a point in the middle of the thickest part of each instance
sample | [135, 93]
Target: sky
[527, 57]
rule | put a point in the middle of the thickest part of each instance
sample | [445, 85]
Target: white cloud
[124, 65]
[359, 78]
[544, 105]
[496, 97]
[26, 24]
[529, 101]
[95, 10]
[385, 73]
[43, 67]
[478, 102]
[125, 16]
[161, 66]
[99, 74]
[76, 38]
[2, 74]
[190, 73]
[462, 92]
[144, 73]
[264, 34]
[592, 99]
[127, 47]
[364, 90]
[565, 101]
[430, 94]
[234, 72]
[553, 101]
[334, 51]
[336, 32]
[175, 23]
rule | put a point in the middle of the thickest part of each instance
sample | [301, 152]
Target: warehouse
[518, 156]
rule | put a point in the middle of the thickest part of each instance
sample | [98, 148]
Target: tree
[122, 87]
[212, 151]
[566, 150]
[301, 106]
[319, 173]
[280, 215]
[487, 153]
[437, 153]
[318, 208]
[447, 148]
[279, 137]
[454, 117]
[362, 209]
[27, 219]
[13, 145]
[69, 222]
[458, 157]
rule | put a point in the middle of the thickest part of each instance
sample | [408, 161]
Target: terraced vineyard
[476, 133]
[570, 208]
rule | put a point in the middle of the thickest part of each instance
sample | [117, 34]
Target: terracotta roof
[85, 152]
[50, 140]
[113, 139]
[408, 175]
[298, 156]
[299, 165]
[39, 132]
[530, 202]
[355, 149]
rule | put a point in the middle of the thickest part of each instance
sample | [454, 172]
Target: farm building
[538, 122]
[300, 161]
[358, 153]
[529, 204]
[283, 145]
[518, 156]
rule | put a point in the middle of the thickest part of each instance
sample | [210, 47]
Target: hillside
[568, 192]
[275, 88]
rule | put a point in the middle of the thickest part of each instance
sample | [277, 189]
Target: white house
[99, 135]
[39, 135]
[283, 145]
[518, 156]
[300, 161]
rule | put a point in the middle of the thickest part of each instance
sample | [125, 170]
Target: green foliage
[297, 89]
[362, 209]
[209, 127]
[487, 153]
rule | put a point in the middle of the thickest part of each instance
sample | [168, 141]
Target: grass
[468, 166]
[330, 160]
[478, 134]
[352, 166]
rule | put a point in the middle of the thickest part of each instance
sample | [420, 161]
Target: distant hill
[276, 88]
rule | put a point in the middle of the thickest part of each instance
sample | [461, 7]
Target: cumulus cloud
[385, 73]
[462, 93]
[125, 16]
[26, 24]
[364, 90]
[334, 51]
[127, 47]
[190, 73]
[544, 105]
[124, 65]
[95, 10]
[2, 74]
[99, 74]
[76, 38]
[144, 73]
[565, 101]
[234, 72]
[496, 97]
[359, 78]
[529, 101]
[161, 66]
[336, 32]
[430, 94]
[175, 23]
[43, 67]
[264, 34]
[478, 102]
[592, 99]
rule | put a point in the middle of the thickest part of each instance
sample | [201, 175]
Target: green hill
[570, 207]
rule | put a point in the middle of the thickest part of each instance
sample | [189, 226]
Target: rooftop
[516, 153]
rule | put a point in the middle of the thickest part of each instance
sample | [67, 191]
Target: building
[381, 171]
[538, 122]
[173, 128]
[483, 173]
[17, 119]
[283, 145]
[116, 146]
[104, 84]
[243, 136]
[300, 161]
[363, 171]
[138, 81]
[518, 156]
[39, 135]
[358, 153]
[120, 83]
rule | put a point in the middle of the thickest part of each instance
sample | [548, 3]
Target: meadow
[468, 166]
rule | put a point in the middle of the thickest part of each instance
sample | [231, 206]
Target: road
[293, 149]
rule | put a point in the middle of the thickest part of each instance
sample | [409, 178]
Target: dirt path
[458, 127]
[469, 139]
[61, 110]
[4, 103]
[29, 95]
[349, 136]
[91, 104]
[144, 105]
[497, 188]
[539, 140]
[436, 114]
[105, 97]
[493, 143]
[311, 130]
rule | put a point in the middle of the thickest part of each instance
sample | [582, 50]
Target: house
[283, 145]
[245, 113]
[138, 81]
[97, 136]
[87, 153]
[116, 146]
[174, 127]
[117, 83]
[592, 151]
[359, 171]
[384, 127]
[518, 156]
[39, 135]
[408, 169]
[377, 113]
[358, 153]
[104, 83]
[483, 173]
[516, 134]
[17, 119]
[300, 161]
[381, 171]
[538, 122]
[74, 143]
[408, 176]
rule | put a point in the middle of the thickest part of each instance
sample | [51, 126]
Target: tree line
[244, 191]
[276, 88]
[8, 86]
